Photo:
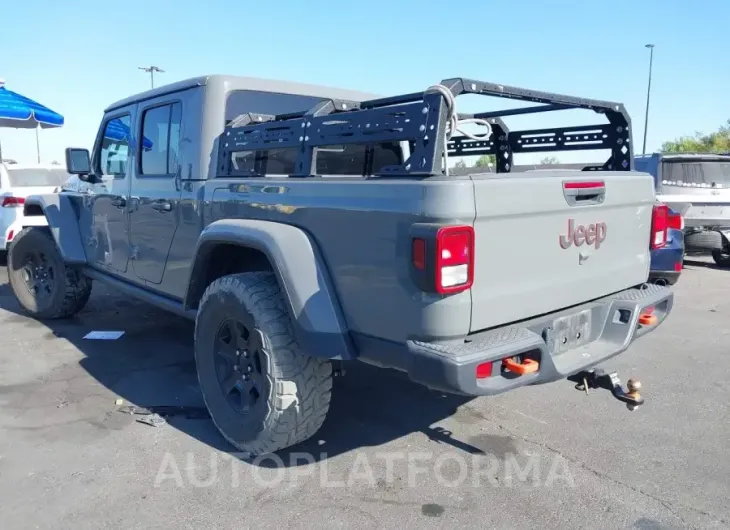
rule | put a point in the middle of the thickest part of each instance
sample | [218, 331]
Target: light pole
[151, 70]
[648, 95]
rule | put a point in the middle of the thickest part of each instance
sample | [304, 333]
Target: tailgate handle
[584, 192]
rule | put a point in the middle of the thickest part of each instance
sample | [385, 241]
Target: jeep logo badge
[593, 234]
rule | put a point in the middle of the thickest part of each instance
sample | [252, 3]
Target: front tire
[263, 393]
[42, 283]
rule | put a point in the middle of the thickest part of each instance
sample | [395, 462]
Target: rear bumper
[666, 263]
[670, 277]
[451, 367]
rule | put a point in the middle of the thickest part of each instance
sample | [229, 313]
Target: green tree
[716, 142]
[485, 161]
[460, 165]
[549, 160]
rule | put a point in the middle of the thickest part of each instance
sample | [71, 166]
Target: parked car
[16, 183]
[304, 228]
[697, 185]
[666, 262]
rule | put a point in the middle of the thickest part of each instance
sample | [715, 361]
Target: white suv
[16, 183]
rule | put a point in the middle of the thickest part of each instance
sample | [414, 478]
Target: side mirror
[78, 162]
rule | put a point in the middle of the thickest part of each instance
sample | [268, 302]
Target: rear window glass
[29, 177]
[348, 159]
[242, 101]
[331, 160]
[708, 173]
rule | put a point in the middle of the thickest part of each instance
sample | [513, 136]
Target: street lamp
[151, 70]
[648, 95]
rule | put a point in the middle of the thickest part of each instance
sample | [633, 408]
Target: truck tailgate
[553, 239]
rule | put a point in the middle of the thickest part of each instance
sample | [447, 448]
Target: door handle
[163, 206]
[119, 202]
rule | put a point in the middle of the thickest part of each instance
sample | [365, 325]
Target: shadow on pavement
[152, 365]
[689, 262]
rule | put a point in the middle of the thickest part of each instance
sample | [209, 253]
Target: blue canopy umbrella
[118, 131]
[20, 112]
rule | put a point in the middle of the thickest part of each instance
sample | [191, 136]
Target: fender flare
[61, 216]
[302, 274]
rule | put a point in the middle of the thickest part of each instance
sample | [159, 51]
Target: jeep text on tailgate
[592, 235]
[304, 227]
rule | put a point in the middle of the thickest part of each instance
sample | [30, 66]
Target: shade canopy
[117, 131]
[20, 112]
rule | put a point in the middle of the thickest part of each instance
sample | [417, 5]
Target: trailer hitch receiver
[589, 379]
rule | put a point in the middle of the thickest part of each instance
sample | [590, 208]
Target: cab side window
[114, 151]
[160, 140]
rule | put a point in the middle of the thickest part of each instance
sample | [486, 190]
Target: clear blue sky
[78, 56]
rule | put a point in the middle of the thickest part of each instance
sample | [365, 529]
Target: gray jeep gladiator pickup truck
[302, 227]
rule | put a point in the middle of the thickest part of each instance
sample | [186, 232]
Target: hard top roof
[246, 83]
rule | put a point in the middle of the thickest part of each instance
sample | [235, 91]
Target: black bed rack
[420, 118]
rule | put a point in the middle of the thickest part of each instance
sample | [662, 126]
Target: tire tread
[76, 288]
[302, 385]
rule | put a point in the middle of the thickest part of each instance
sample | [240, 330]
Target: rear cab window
[160, 140]
[335, 160]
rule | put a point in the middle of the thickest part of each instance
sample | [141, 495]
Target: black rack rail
[421, 118]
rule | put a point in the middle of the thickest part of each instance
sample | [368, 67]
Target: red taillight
[10, 236]
[484, 370]
[659, 225]
[454, 259]
[419, 253]
[13, 202]
[675, 221]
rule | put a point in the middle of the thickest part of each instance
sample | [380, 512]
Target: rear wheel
[721, 257]
[263, 393]
[43, 284]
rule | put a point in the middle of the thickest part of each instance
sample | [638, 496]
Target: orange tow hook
[647, 317]
[528, 366]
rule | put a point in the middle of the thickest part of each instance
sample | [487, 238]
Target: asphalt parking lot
[391, 453]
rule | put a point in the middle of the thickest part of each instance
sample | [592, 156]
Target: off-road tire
[297, 399]
[722, 258]
[69, 288]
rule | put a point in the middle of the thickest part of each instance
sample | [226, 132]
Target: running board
[163, 302]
